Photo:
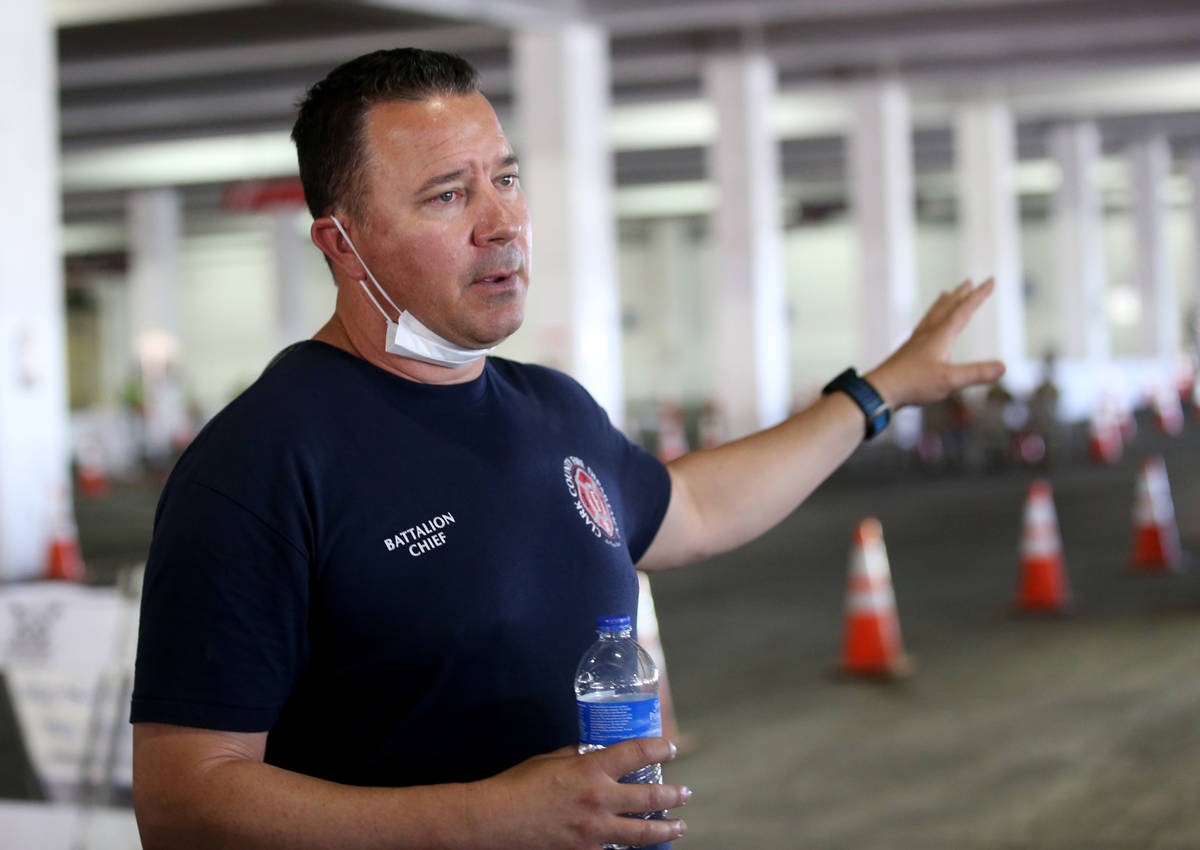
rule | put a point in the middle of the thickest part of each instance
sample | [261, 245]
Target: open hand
[920, 370]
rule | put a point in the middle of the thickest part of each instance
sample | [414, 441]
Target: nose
[502, 218]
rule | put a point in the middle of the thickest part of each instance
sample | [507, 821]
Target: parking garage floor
[1057, 732]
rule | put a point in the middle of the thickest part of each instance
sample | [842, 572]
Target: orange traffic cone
[872, 645]
[1104, 438]
[1123, 414]
[651, 641]
[1156, 546]
[672, 440]
[1168, 410]
[1043, 575]
[90, 476]
[92, 481]
[63, 560]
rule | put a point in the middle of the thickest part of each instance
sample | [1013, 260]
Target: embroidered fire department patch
[590, 501]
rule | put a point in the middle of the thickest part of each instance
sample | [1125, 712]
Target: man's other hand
[563, 800]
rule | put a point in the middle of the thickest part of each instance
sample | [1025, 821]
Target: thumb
[981, 372]
[628, 756]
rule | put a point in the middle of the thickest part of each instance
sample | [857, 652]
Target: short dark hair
[329, 129]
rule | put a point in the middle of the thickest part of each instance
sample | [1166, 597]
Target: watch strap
[865, 396]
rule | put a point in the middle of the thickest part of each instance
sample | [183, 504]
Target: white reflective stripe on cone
[870, 564]
[1040, 511]
[879, 600]
[1041, 547]
[1146, 512]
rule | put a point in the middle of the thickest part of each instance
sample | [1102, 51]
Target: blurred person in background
[1044, 419]
[996, 428]
[373, 573]
[946, 433]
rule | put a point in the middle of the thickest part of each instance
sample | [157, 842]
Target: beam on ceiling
[637, 17]
[74, 13]
[964, 43]
[132, 68]
[194, 110]
[1009, 47]
[506, 13]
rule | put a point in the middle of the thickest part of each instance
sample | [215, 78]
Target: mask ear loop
[382, 292]
[443, 353]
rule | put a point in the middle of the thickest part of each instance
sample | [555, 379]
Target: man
[373, 573]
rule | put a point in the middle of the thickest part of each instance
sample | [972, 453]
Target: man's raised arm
[724, 497]
[198, 788]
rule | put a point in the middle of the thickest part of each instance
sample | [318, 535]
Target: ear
[325, 235]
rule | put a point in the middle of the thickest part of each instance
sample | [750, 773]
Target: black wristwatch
[865, 396]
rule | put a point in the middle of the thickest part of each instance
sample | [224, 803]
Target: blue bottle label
[608, 721]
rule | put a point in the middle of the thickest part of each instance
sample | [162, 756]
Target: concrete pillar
[880, 162]
[1193, 172]
[1150, 165]
[1078, 242]
[753, 384]
[573, 312]
[155, 228]
[985, 154]
[288, 246]
[34, 441]
[668, 242]
[117, 361]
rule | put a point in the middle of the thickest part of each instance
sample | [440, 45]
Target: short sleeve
[645, 492]
[223, 631]
[644, 485]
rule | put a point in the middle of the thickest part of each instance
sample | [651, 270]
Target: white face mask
[407, 336]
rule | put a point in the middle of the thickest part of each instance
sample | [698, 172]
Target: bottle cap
[613, 624]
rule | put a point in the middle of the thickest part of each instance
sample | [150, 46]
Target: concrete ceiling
[138, 71]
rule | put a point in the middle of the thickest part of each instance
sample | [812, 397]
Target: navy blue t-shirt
[396, 580]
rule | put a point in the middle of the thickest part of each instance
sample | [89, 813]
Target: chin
[498, 337]
[501, 329]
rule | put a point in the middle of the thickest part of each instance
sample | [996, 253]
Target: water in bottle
[616, 691]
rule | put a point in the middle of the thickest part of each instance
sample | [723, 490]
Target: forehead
[418, 139]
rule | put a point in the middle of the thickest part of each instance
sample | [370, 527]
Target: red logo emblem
[590, 501]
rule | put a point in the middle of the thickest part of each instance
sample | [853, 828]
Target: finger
[956, 295]
[970, 302]
[634, 832]
[937, 311]
[985, 288]
[945, 304]
[982, 372]
[628, 756]
[650, 797]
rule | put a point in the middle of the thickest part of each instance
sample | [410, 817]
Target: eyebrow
[458, 173]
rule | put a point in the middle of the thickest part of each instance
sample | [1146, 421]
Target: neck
[368, 345]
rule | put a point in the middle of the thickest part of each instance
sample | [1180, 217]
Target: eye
[508, 181]
[447, 197]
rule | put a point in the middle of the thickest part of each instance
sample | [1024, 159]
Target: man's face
[447, 230]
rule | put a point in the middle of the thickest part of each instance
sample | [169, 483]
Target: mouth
[500, 278]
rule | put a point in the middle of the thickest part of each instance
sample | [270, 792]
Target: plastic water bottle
[616, 691]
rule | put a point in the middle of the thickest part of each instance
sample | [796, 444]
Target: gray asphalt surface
[1015, 732]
